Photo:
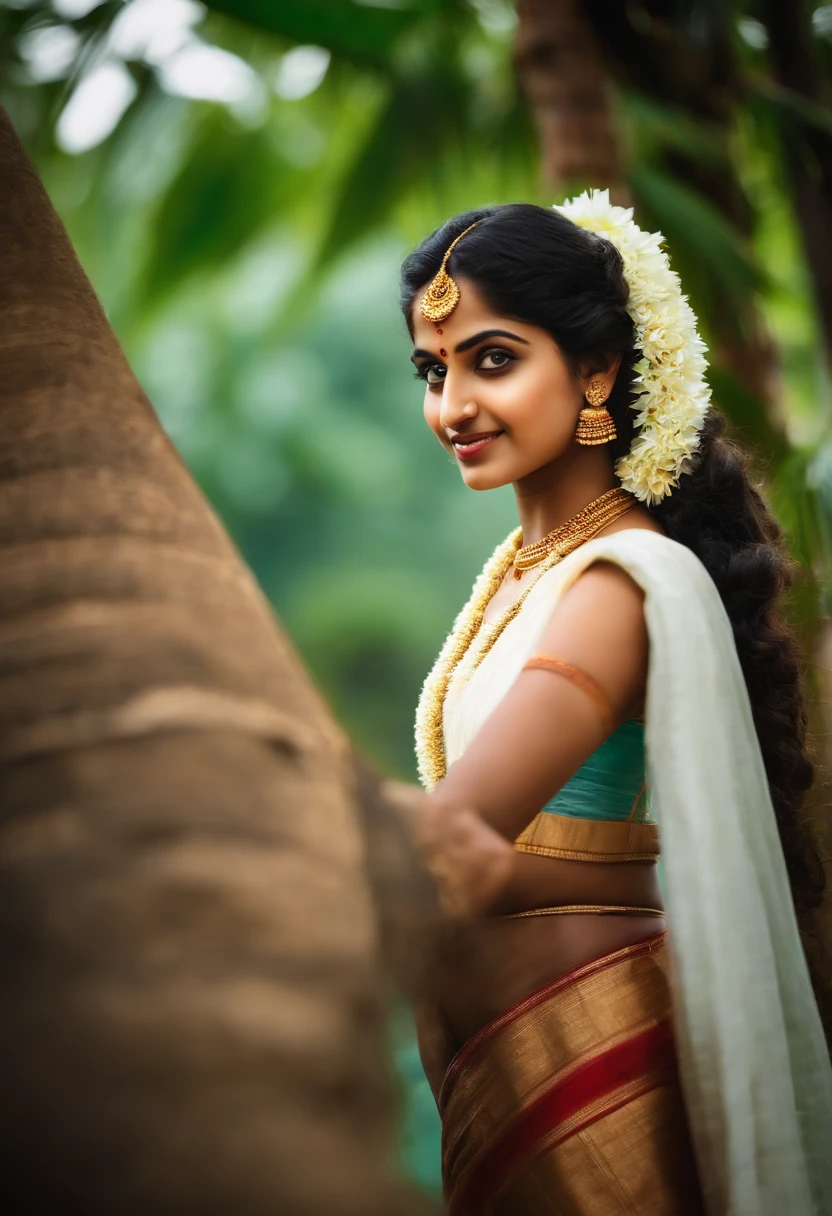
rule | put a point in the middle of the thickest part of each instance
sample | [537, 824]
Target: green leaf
[421, 121]
[357, 32]
[379, 174]
[748, 415]
[819, 481]
[227, 188]
[804, 507]
[715, 262]
[658, 126]
[789, 103]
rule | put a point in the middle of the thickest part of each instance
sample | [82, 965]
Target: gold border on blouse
[567, 836]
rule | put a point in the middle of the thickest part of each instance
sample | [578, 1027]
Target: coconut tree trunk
[192, 1015]
[568, 88]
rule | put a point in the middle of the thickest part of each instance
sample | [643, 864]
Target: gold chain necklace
[430, 727]
[594, 516]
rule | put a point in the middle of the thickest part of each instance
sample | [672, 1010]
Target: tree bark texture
[567, 85]
[192, 1016]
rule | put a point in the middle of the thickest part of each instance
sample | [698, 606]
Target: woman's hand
[470, 862]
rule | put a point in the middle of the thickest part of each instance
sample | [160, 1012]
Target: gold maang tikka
[442, 295]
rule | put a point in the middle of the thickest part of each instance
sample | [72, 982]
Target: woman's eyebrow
[488, 333]
[473, 341]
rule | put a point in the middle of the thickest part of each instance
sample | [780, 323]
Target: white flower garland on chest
[672, 398]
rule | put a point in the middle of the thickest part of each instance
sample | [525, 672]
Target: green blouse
[611, 784]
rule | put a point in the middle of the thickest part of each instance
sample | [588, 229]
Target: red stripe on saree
[593, 1090]
[582, 972]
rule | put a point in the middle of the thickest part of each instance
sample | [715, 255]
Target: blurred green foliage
[243, 218]
[199, 225]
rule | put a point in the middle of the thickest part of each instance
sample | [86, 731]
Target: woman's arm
[546, 727]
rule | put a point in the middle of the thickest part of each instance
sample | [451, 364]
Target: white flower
[674, 396]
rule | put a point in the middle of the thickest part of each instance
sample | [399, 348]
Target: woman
[619, 675]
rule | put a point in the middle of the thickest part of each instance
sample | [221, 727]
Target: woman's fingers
[469, 860]
[409, 801]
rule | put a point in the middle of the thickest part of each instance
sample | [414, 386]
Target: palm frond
[362, 34]
[714, 259]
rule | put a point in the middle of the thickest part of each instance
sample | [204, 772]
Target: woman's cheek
[432, 410]
[518, 396]
[537, 412]
[523, 415]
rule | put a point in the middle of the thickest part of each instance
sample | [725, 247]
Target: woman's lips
[469, 446]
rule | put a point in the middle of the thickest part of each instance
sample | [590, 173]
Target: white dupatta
[754, 1064]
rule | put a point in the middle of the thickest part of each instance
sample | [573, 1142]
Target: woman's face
[499, 394]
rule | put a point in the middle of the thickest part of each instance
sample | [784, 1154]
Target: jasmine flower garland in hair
[674, 397]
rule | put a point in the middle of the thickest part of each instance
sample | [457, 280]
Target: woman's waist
[634, 983]
[555, 912]
[539, 881]
[501, 961]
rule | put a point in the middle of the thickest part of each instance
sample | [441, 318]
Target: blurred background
[241, 179]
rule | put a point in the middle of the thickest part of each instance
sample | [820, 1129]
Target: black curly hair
[533, 264]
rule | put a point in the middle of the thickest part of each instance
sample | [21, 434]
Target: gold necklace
[567, 536]
[430, 726]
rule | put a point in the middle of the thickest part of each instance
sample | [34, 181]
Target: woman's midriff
[483, 968]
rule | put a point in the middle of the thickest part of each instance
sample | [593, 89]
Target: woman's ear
[603, 369]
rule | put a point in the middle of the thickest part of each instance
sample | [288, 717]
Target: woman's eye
[492, 359]
[433, 373]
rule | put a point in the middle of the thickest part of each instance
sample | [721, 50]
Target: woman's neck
[550, 496]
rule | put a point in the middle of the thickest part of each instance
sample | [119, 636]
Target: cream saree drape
[754, 1065]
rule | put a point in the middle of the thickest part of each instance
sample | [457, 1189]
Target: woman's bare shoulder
[599, 625]
[604, 593]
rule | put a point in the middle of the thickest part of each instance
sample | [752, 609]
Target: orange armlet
[580, 678]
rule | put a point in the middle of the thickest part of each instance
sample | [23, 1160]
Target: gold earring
[594, 422]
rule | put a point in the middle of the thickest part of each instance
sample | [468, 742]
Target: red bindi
[439, 331]
[443, 353]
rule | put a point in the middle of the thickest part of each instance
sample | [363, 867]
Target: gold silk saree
[570, 1101]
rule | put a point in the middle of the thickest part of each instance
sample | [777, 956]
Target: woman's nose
[455, 408]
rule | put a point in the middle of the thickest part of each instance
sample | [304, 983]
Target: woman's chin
[485, 478]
